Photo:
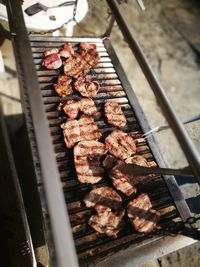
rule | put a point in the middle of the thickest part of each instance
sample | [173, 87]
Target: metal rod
[59, 219]
[110, 27]
[182, 136]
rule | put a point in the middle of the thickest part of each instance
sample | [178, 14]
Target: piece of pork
[67, 51]
[63, 86]
[52, 61]
[114, 114]
[88, 128]
[120, 144]
[142, 217]
[86, 87]
[71, 132]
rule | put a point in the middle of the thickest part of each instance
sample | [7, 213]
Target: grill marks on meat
[84, 129]
[87, 156]
[67, 51]
[121, 180]
[85, 105]
[77, 64]
[114, 114]
[143, 218]
[63, 86]
[86, 87]
[71, 132]
[120, 144]
[107, 204]
[89, 129]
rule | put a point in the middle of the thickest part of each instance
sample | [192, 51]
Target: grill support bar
[180, 132]
[64, 245]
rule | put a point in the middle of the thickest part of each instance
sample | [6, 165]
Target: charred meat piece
[108, 222]
[103, 197]
[71, 132]
[86, 87]
[89, 129]
[52, 61]
[143, 218]
[87, 156]
[88, 107]
[75, 66]
[120, 144]
[114, 114]
[107, 204]
[122, 181]
[71, 108]
[85, 105]
[67, 51]
[63, 87]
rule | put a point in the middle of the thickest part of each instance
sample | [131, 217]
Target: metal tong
[164, 127]
[134, 170]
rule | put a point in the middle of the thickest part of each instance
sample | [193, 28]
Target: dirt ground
[175, 63]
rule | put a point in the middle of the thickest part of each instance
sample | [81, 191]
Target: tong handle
[136, 170]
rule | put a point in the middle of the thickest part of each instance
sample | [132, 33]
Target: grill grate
[89, 245]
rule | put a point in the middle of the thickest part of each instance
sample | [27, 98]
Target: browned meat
[67, 50]
[87, 156]
[107, 204]
[71, 108]
[120, 144]
[103, 196]
[84, 47]
[108, 222]
[75, 66]
[88, 128]
[50, 51]
[63, 87]
[86, 87]
[52, 61]
[71, 132]
[114, 114]
[142, 217]
[122, 181]
[85, 105]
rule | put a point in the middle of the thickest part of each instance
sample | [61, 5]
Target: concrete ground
[176, 64]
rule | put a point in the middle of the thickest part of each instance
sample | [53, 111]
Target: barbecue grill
[53, 183]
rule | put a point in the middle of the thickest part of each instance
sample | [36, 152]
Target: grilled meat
[87, 156]
[114, 114]
[71, 108]
[63, 87]
[51, 51]
[107, 204]
[122, 181]
[78, 63]
[52, 61]
[120, 144]
[75, 66]
[71, 132]
[89, 129]
[108, 222]
[142, 217]
[84, 129]
[67, 51]
[103, 197]
[86, 87]
[85, 105]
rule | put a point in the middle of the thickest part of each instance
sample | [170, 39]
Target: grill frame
[37, 41]
[30, 91]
